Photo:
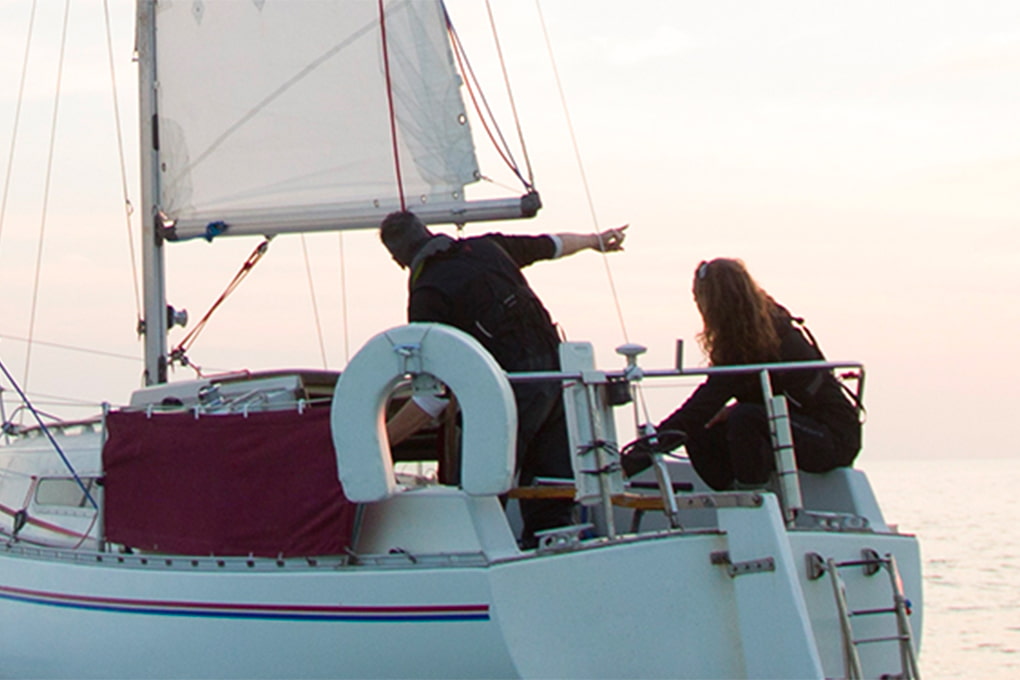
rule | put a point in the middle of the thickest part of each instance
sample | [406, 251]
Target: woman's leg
[709, 453]
[750, 444]
[813, 445]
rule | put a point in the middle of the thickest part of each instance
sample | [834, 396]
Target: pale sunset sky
[862, 158]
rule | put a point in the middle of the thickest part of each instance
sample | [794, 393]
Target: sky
[863, 159]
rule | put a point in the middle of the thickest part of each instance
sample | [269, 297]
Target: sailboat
[252, 525]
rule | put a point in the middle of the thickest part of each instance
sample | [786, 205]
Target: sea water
[965, 513]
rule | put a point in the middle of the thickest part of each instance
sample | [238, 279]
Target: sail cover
[258, 484]
[276, 113]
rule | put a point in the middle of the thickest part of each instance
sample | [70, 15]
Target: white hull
[648, 606]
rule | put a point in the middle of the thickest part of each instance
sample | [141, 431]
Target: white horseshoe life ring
[357, 421]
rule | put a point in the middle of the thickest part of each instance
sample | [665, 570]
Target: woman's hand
[720, 416]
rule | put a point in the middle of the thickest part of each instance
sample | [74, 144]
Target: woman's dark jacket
[815, 394]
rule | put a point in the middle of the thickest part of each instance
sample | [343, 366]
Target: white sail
[274, 115]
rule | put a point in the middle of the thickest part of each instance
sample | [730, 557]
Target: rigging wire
[17, 119]
[315, 302]
[128, 208]
[392, 109]
[482, 108]
[509, 91]
[46, 431]
[58, 400]
[3, 416]
[72, 348]
[343, 299]
[580, 167]
[46, 191]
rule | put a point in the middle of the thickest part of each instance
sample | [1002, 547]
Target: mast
[153, 325]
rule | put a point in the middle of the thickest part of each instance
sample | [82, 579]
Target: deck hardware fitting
[561, 539]
[735, 569]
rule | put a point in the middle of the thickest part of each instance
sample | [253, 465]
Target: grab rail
[789, 492]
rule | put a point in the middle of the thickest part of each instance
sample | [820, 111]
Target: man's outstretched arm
[608, 241]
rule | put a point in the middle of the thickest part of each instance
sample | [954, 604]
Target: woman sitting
[725, 420]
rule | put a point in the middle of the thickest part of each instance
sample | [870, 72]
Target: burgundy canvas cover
[263, 484]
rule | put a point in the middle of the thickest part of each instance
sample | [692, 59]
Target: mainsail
[274, 116]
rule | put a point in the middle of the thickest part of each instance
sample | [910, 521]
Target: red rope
[389, 97]
[481, 106]
[474, 102]
[179, 353]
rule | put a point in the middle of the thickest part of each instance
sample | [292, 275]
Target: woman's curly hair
[738, 315]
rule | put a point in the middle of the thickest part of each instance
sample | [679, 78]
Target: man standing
[476, 285]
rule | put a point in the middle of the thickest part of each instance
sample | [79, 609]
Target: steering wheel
[655, 442]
